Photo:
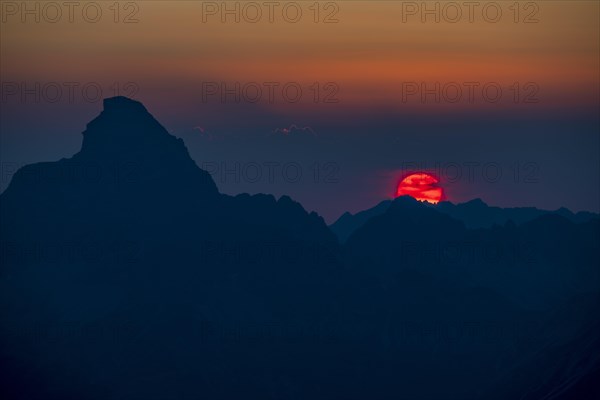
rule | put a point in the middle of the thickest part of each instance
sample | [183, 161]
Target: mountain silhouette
[550, 251]
[475, 214]
[130, 233]
[131, 171]
[345, 225]
[126, 274]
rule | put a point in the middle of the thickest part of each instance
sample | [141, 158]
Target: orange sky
[369, 53]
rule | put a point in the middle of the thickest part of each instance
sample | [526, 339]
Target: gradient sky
[366, 140]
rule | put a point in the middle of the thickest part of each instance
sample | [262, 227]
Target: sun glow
[422, 187]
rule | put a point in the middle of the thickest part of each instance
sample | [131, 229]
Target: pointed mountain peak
[126, 146]
[476, 202]
[125, 127]
[121, 104]
[405, 200]
[405, 203]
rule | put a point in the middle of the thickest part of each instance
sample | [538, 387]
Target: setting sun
[422, 187]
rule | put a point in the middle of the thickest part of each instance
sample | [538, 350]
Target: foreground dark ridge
[142, 281]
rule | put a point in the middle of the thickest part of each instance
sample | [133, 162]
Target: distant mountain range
[125, 274]
[474, 214]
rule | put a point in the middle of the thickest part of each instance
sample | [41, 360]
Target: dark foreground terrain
[125, 274]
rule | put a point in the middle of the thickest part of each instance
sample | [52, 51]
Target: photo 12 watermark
[273, 172]
[465, 253]
[53, 12]
[111, 173]
[106, 252]
[452, 12]
[253, 12]
[270, 92]
[64, 92]
[469, 92]
[526, 172]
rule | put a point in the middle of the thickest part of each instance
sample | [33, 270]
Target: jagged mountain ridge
[140, 279]
[475, 214]
[129, 164]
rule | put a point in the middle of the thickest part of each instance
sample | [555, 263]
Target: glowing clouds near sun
[421, 186]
